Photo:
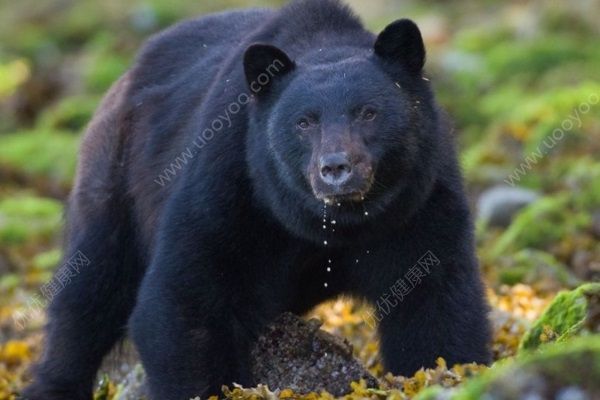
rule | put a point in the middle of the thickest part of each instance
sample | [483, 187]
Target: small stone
[497, 206]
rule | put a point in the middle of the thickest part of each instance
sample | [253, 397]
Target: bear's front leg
[193, 324]
[188, 333]
[187, 356]
[433, 310]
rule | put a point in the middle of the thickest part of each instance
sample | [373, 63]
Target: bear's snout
[335, 168]
[339, 176]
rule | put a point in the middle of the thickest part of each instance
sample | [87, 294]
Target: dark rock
[296, 354]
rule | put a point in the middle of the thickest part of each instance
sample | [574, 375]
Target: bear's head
[354, 127]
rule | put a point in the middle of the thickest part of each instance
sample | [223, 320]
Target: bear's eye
[368, 114]
[303, 123]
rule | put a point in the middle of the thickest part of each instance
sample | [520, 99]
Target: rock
[133, 386]
[570, 314]
[561, 371]
[565, 371]
[498, 205]
[291, 354]
[298, 355]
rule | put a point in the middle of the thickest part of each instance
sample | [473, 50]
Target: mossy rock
[29, 219]
[571, 313]
[572, 367]
[538, 269]
[546, 221]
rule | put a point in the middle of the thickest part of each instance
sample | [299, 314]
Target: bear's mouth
[355, 197]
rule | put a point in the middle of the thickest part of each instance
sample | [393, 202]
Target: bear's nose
[335, 168]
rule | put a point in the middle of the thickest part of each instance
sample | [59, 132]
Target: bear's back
[199, 44]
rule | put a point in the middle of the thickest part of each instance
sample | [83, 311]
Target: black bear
[255, 162]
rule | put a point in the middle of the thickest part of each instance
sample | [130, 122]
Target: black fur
[236, 237]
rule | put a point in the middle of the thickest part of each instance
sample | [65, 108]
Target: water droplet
[339, 204]
[333, 222]
[325, 242]
[324, 227]
[356, 261]
[325, 284]
[368, 251]
[328, 269]
[366, 213]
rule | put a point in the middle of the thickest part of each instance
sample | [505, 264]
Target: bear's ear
[401, 42]
[263, 64]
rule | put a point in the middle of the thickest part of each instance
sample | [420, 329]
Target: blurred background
[520, 80]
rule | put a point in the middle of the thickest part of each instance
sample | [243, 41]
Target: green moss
[103, 72]
[430, 393]
[536, 268]
[576, 363]
[49, 155]
[13, 74]
[47, 260]
[10, 282]
[27, 218]
[583, 178]
[546, 221]
[564, 317]
[71, 113]
[509, 60]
